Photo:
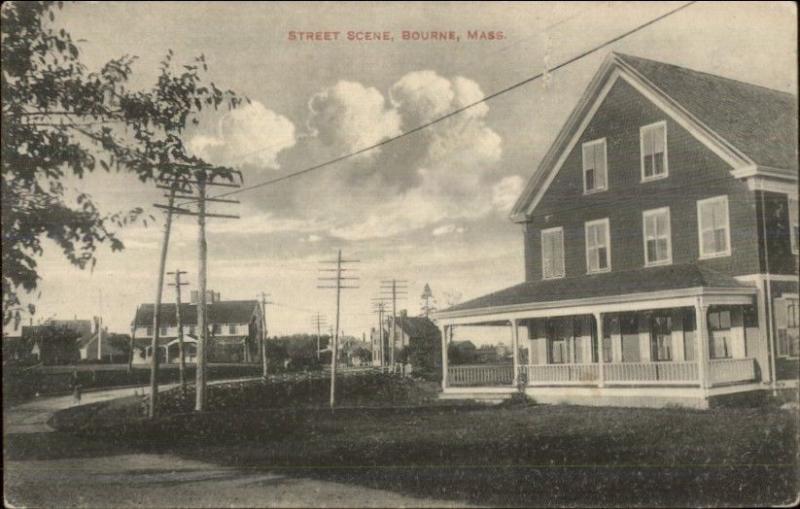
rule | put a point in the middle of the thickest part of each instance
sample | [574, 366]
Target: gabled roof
[745, 124]
[222, 312]
[759, 121]
[417, 326]
[653, 279]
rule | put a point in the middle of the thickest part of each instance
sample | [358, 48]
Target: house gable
[615, 68]
[695, 172]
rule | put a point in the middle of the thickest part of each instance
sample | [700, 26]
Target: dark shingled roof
[417, 326]
[228, 311]
[671, 277]
[759, 121]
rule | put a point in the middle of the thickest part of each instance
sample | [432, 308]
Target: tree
[428, 301]
[60, 119]
[57, 344]
[121, 343]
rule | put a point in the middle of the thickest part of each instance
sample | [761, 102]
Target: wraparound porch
[688, 345]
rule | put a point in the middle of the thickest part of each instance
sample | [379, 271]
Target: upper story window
[162, 330]
[216, 328]
[794, 227]
[231, 329]
[598, 248]
[713, 227]
[595, 175]
[149, 331]
[553, 253]
[657, 244]
[653, 141]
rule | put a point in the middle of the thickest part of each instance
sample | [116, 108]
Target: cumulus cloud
[249, 136]
[505, 192]
[349, 116]
[446, 174]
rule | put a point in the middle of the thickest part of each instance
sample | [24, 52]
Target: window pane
[600, 164]
[648, 165]
[602, 256]
[709, 245]
[720, 240]
[658, 138]
[589, 180]
[647, 142]
[662, 249]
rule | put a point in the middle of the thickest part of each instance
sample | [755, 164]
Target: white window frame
[605, 166]
[723, 198]
[642, 130]
[563, 255]
[605, 222]
[645, 215]
[793, 223]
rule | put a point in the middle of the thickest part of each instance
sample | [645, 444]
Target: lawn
[511, 455]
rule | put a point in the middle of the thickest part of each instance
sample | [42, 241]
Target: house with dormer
[661, 248]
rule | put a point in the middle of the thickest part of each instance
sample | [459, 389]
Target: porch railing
[480, 375]
[561, 374]
[725, 371]
[651, 372]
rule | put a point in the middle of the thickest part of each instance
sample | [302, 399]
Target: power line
[457, 110]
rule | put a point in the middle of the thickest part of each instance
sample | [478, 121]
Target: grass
[514, 455]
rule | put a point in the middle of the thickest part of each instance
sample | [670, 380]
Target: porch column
[701, 312]
[515, 350]
[444, 355]
[601, 375]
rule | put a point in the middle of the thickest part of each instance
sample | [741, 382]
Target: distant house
[97, 345]
[660, 244]
[234, 328]
[419, 337]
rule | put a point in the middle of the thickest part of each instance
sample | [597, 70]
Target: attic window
[595, 174]
[653, 141]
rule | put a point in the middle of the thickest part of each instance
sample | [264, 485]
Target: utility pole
[131, 342]
[379, 306]
[264, 303]
[318, 321]
[395, 288]
[202, 179]
[339, 287]
[178, 318]
[151, 409]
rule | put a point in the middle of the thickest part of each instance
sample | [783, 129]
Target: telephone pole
[181, 361]
[153, 404]
[396, 288]
[379, 306]
[338, 287]
[319, 322]
[264, 303]
[204, 176]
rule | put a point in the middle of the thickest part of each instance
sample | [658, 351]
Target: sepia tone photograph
[400, 254]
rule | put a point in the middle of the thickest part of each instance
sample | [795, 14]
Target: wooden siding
[694, 173]
[778, 245]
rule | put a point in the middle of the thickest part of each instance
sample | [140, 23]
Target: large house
[661, 248]
[234, 328]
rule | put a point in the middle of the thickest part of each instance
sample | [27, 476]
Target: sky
[430, 208]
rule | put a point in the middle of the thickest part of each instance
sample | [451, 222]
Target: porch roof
[609, 284]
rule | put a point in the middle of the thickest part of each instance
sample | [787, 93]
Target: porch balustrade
[651, 372]
[725, 371]
[561, 373]
[480, 375]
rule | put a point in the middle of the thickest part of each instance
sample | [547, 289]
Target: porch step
[490, 398]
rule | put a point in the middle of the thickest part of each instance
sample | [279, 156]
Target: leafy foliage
[57, 344]
[60, 119]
